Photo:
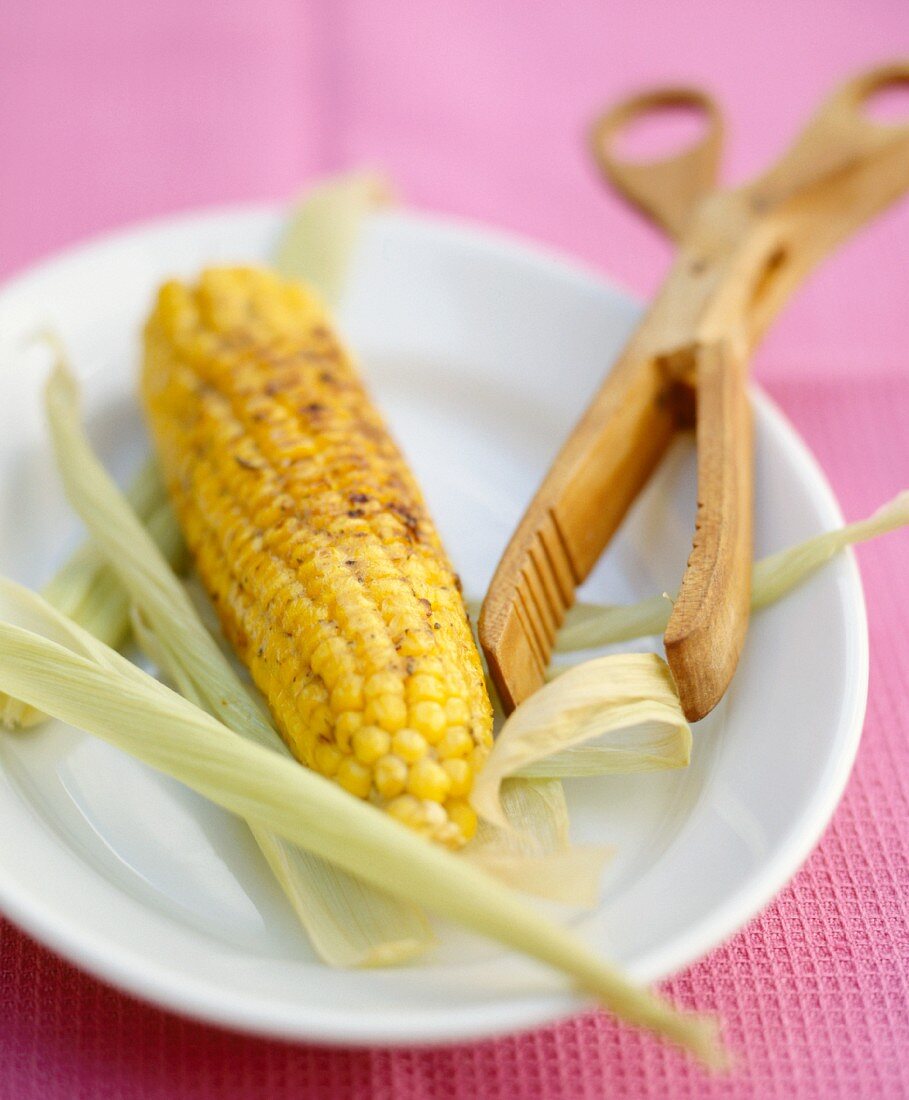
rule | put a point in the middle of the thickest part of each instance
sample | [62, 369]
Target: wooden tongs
[741, 253]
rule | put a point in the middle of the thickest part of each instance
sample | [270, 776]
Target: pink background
[111, 112]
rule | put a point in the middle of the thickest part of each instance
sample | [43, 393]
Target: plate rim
[193, 997]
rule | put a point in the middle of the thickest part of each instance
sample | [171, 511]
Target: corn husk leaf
[324, 898]
[87, 590]
[588, 626]
[613, 714]
[777, 574]
[534, 854]
[321, 235]
[80, 681]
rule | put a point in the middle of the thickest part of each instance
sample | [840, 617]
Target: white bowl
[482, 351]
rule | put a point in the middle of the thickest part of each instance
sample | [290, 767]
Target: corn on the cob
[313, 540]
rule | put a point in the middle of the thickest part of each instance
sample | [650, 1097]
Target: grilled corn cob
[313, 540]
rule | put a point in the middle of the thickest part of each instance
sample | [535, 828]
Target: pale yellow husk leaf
[319, 241]
[613, 714]
[80, 681]
[87, 590]
[535, 854]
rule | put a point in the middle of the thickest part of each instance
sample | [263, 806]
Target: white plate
[482, 351]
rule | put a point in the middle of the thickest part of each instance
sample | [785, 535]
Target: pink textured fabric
[112, 112]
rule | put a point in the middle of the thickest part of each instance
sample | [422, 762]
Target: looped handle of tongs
[669, 189]
[843, 156]
[842, 170]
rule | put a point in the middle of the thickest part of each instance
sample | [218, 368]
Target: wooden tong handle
[707, 627]
[667, 190]
[839, 143]
[842, 170]
[583, 499]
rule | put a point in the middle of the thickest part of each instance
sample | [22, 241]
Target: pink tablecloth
[112, 112]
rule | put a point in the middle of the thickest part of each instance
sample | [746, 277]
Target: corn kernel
[326, 657]
[390, 776]
[457, 712]
[428, 719]
[482, 736]
[320, 721]
[387, 711]
[346, 725]
[456, 742]
[300, 449]
[416, 643]
[460, 776]
[434, 816]
[409, 745]
[389, 588]
[428, 688]
[354, 777]
[327, 757]
[369, 743]
[269, 516]
[347, 695]
[478, 758]
[428, 779]
[430, 666]
[461, 813]
[307, 696]
[406, 809]
[398, 620]
[449, 835]
[383, 683]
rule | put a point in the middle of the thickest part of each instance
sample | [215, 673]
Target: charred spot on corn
[313, 539]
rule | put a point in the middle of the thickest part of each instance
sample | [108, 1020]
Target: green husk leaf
[80, 681]
[588, 626]
[86, 589]
[777, 574]
[323, 897]
[319, 241]
[613, 714]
